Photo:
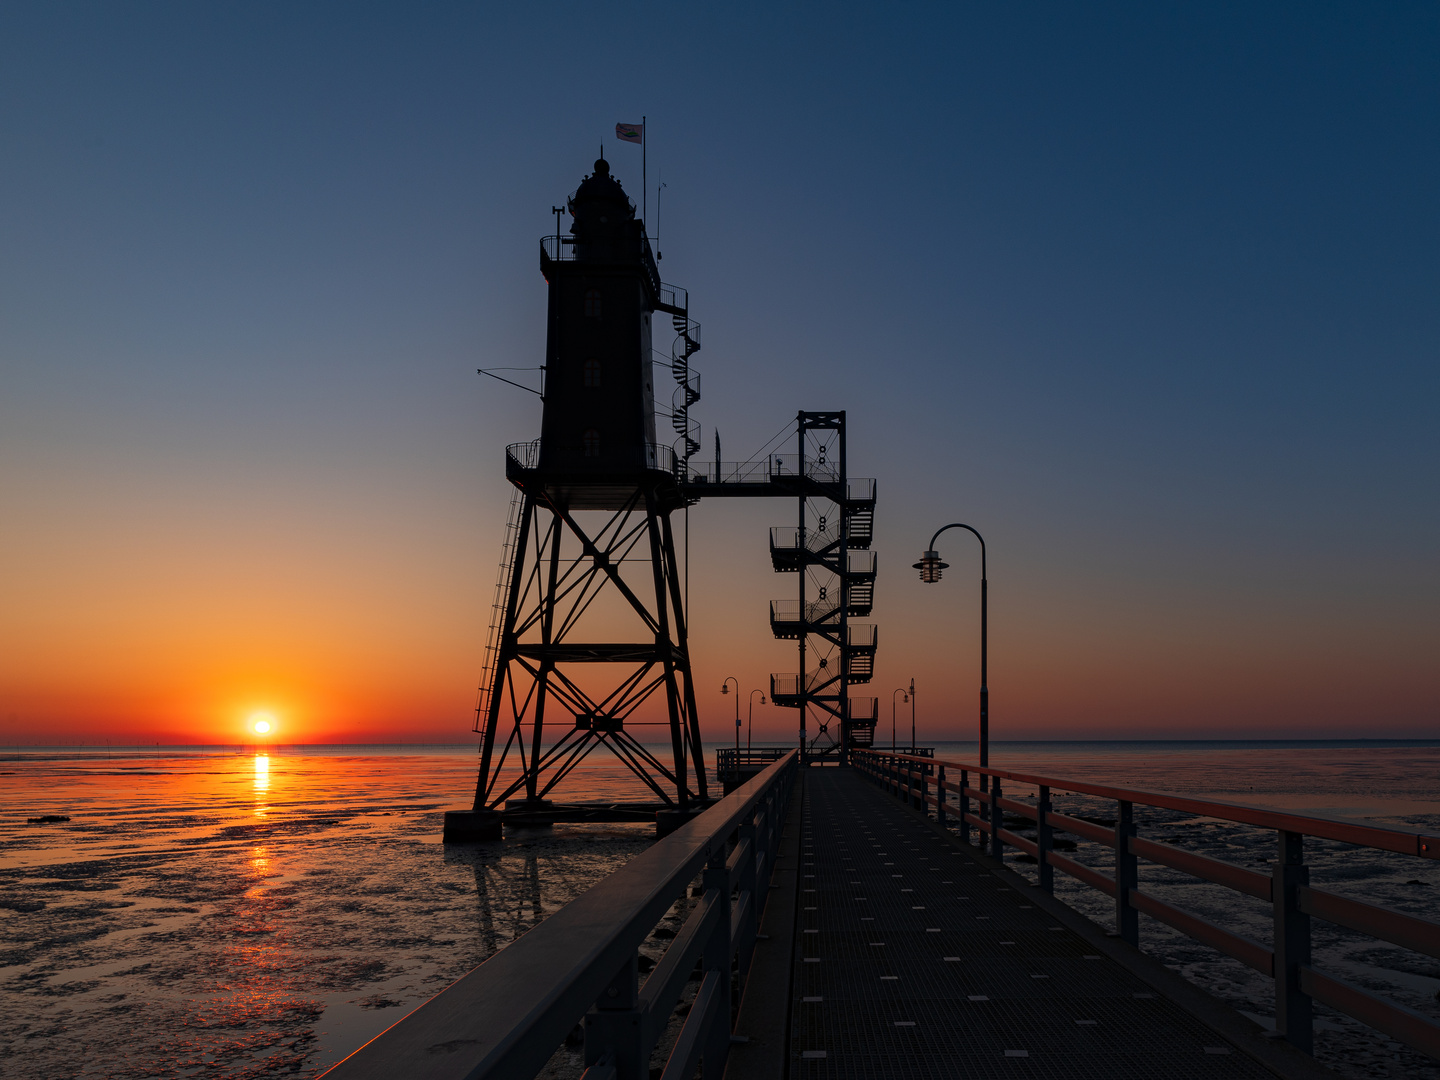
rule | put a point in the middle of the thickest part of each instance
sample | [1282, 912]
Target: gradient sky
[1147, 293]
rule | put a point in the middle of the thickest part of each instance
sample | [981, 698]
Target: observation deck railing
[730, 472]
[787, 538]
[786, 544]
[861, 565]
[508, 1016]
[861, 637]
[788, 465]
[780, 468]
[864, 710]
[924, 783]
[786, 687]
[789, 612]
[860, 491]
[523, 456]
[561, 248]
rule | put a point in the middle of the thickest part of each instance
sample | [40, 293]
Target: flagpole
[644, 182]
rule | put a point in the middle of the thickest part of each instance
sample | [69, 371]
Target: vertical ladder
[497, 609]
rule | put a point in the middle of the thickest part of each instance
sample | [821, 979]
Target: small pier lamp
[725, 689]
[930, 567]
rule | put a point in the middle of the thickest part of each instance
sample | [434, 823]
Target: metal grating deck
[912, 960]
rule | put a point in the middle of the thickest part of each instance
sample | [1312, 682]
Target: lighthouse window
[592, 372]
[592, 303]
[591, 442]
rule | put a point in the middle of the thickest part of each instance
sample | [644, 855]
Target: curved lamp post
[912, 715]
[750, 724]
[930, 567]
[725, 689]
[902, 690]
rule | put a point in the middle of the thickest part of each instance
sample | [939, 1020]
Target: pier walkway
[913, 958]
[859, 938]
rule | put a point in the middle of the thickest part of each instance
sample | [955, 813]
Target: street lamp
[930, 567]
[725, 689]
[912, 715]
[750, 726]
[902, 690]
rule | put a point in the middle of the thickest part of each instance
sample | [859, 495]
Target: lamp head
[930, 567]
[724, 688]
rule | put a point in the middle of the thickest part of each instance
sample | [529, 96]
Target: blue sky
[1145, 292]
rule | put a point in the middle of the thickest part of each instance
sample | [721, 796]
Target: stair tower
[828, 549]
[589, 617]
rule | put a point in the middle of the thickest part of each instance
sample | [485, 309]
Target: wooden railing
[927, 783]
[505, 1019]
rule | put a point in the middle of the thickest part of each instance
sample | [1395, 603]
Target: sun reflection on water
[262, 784]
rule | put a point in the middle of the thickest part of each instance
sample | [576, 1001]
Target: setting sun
[261, 723]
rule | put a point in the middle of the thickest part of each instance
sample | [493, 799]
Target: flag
[630, 132]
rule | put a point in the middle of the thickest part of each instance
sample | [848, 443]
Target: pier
[917, 958]
[840, 922]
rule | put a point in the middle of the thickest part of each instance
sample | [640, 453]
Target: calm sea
[240, 913]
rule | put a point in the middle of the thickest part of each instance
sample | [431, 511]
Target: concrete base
[536, 813]
[471, 826]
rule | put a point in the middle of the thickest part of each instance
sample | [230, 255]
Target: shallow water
[241, 914]
[238, 914]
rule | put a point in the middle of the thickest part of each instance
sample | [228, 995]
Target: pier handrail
[507, 1017]
[922, 782]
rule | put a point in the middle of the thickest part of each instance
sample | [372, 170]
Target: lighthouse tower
[588, 639]
[599, 423]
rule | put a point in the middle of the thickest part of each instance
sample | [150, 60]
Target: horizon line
[771, 743]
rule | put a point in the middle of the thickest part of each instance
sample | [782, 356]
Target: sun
[261, 722]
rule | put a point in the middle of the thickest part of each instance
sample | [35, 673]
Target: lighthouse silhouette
[599, 419]
[588, 624]
[588, 639]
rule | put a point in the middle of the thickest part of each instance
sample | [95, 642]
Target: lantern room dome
[602, 193]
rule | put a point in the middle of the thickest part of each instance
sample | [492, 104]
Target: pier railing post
[1044, 839]
[964, 805]
[997, 819]
[940, 795]
[748, 893]
[613, 1026]
[922, 774]
[719, 949]
[1127, 876]
[1293, 1007]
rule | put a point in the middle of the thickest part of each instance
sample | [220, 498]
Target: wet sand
[237, 915]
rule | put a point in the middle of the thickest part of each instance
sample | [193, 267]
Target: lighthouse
[588, 644]
[598, 430]
[588, 636]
